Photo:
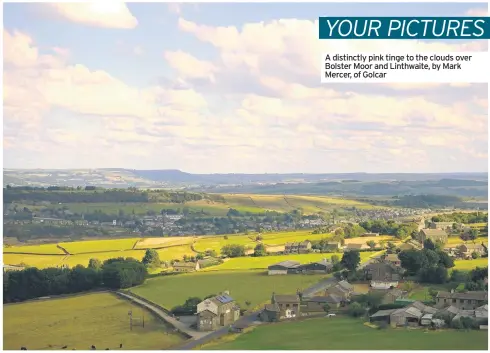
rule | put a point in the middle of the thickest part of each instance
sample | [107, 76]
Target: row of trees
[460, 217]
[14, 194]
[32, 282]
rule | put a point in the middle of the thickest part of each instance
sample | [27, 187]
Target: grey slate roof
[473, 295]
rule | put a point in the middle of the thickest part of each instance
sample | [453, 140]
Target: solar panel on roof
[224, 299]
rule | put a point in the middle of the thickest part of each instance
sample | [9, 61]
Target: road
[244, 321]
[176, 323]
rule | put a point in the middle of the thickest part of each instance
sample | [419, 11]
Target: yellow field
[249, 263]
[147, 243]
[281, 238]
[47, 249]
[217, 242]
[82, 321]
[39, 261]
[91, 246]
[470, 264]
[364, 240]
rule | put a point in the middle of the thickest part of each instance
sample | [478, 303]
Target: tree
[371, 244]
[260, 250]
[123, 273]
[151, 258]
[351, 260]
[473, 234]
[211, 253]
[475, 255]
[445, 260]
[95, 264]
[429, 244]
[233, 250]
[432, 257]
[413, 260]
[408, 286]
[339, 232]
[335, 259]
[326, 308]
[356, 310]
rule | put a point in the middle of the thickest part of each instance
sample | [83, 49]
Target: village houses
[303, 247]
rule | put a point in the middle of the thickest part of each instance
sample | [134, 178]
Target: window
[454, 300]
[461, 301]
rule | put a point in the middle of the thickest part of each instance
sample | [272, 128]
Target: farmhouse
[436, 235]
[333, 246]
[343, 290]
[393, 259]
[466, 250]
[289, 305]
[323, 266]
[443, 225]
[382, 275]
[303, 247]
[316, 304]
[216, 312]
[465, 301]
[284, 267]
[186, 266]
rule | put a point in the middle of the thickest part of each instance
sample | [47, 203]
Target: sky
[225, 88]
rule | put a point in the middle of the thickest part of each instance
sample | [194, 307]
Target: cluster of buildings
[449, 305]
[294, 267]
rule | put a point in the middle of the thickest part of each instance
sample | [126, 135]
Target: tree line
[73, 195]
[460, 217]
[33, 283]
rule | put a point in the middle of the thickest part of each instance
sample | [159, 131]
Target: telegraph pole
[130, 314]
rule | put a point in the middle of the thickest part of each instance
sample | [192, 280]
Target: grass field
[340, 333]
[79, 322]
[148, 243]
[47, 249]
[470, 264]
[39, 261]
[252, 203]
[91, 246]
[253, 286]
[248, 263]
[217, 242]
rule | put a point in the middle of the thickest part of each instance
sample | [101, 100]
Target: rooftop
[288, 263]
[474, 295]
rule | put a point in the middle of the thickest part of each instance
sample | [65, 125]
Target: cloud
[107, 14]
[188, 66]
[477, 12]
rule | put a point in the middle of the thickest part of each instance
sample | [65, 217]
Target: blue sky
[222, 88]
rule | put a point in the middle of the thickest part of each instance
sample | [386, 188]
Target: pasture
[160, 242]
[467, 265]
[250, 263]
[39, 261]
[79, 322]
[341, 333]
[45, 249]
[92, 246]
[217, 242]
[255, 287]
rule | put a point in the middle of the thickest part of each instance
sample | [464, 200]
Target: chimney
[452, 291]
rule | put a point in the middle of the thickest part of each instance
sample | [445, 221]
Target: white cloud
[189, 66]
[108, 14]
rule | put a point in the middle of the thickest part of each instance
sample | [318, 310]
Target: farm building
[289, 305]
[393, 259]
[303, 247]
[407, 316]
[317, 303]
[370, 235]
[466, 250]
[8, 268]
[444, 225]
[284, 267]
[355, 246]
[270, 313]
[436, 235]
[343, 290]
[465, 301]
[216, 312]
[186, 266]
[390, 296]
[323, 266]
[333, 246]
[382, 275]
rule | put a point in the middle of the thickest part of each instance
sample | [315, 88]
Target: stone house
[343, 290]
[303, 247]
[436, 235]
[466, 250]
[333, 246]
[216, 312]
[284, 268]
[186, 266]
[410, 315]
[393, 259]
[466, 301]
[382, 275]
[289, 305]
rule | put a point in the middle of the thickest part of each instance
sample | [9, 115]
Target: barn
[323, 266]
[284, 267]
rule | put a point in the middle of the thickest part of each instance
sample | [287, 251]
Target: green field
[249, 263]
[47, 249]
[340, 333]
[253, 286]
[252, 203]
[82, 321]
[470, 264]
[217, 242]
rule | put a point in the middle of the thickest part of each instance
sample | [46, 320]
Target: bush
[356, 310]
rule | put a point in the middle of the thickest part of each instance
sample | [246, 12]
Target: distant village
[181, 222]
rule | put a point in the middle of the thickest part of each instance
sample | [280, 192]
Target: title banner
[468, 28]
